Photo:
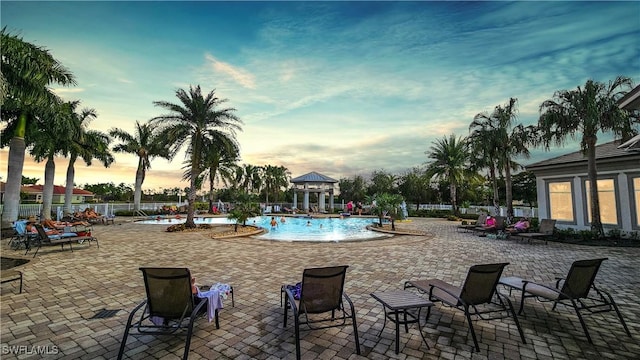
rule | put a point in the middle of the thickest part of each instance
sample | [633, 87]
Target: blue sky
[339, 88]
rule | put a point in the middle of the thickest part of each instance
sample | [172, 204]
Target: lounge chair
[317, 299]
[574, 291]
[500, 226]
[21, 239]
[547, 226]
[470, 227]
[68, 238]
[476, 297]
[170, 307]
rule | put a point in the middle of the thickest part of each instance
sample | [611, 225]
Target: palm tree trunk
[47, 190]
[454, 194]
[494, 182]
[508, 192]
[68, 190]
[15, 163]
[596, 222]
[137, 194]
[211, 178]
[192, 199]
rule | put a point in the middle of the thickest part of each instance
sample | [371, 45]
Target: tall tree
[415, 187]
[147, 143]
[53, 138]
[382, 182]
[27, 71]
[450, 160]
[584, 112]
[275, 178]
[190, 122]
[507, 140]
[86, 144]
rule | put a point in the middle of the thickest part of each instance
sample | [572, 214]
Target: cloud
[67, 91]
[240, 76]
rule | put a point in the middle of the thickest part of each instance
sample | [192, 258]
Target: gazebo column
[305, 203]
[331, 202]
[295, 199]
[321, 204]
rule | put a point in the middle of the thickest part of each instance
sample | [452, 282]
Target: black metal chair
[170, 307]
[321, 292]
[476, 297]
[576, 290]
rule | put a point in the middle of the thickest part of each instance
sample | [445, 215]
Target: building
[563, 188]
[33, 194]
[563, 185]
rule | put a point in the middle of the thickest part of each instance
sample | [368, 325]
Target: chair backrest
[43, 234]
[481, 219]
[168, 292]
[547, 226]
[481, 282]
[581, 277]
[322, 289]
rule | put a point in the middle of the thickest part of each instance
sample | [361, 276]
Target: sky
[341, 88]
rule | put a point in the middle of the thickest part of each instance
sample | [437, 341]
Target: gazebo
[313, 182]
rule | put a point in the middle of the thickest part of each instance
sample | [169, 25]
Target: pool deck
[64, 290]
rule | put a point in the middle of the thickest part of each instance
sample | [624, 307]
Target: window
[561, 201]
[636, 193]
[607, 197]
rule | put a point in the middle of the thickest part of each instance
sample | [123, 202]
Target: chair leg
[615, 307]
[297, 331]
[473, 332]
[584, 326]
[286, 309]
[515, 319]
[187, 344]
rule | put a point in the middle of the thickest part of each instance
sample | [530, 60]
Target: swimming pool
[295, 228]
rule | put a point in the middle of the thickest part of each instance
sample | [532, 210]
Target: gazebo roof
[313, 177]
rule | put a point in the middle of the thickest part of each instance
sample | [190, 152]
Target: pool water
[295, 228]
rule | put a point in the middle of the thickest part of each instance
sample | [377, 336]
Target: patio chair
[21, 238]
[65, 238]
[500, 226]
[476, 297]
[317, 299]
[574, 291]
[470, 227]
[169, 309]
[547, 226]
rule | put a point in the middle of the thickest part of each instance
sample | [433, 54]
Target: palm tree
[450, 162]
[275, 178]
[86, 144]
[53, 138]
[386, 204]
[218, 161]
[27, 71]
[496, 137]
[191, 123]
[586, 111]
[147, 143]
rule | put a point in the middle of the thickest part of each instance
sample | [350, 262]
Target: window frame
[616, 196]
[569, 180]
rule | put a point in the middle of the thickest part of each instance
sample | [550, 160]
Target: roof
[57, 190]
[607, 151]
[631, 100]
[313, 177]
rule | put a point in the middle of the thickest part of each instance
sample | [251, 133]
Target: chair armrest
[556, 290]
[457, 297]
[292, 300]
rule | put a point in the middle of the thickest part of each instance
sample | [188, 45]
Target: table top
[400, 299]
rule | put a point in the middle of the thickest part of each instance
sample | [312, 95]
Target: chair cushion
[531, 288]
[438, 294]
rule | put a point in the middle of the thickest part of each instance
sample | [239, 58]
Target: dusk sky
[341, 88]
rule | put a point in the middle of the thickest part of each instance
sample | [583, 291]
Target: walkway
[64, 290]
